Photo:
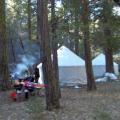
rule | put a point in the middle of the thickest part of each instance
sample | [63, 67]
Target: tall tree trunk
[108, 35]
[29, 20]
[13, 51]
[4, 76]
[54, 43]
[76, 34]
[109, 60]
[52, 93]
[88, 62]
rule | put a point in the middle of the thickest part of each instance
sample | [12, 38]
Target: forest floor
[76, 104]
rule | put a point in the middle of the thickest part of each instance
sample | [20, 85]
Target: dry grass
[76, 104]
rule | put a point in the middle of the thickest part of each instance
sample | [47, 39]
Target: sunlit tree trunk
[51, 90]
[4, 75]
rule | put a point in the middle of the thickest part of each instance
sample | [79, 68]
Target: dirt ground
[76, 104]
[10, 110]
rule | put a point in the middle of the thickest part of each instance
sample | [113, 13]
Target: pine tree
[4, 75]
[51, 90]
[29, 20]
[54, 43]
[88, 62]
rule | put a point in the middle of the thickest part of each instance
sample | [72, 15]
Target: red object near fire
[13, 96]
[40, 85]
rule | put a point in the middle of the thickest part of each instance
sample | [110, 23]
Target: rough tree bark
[4, 75]
[88, 62]
[109, 59]
[51, 90]
[54, 43]
[107, 35]
[13, 51]
[29, 20]
[76, 34]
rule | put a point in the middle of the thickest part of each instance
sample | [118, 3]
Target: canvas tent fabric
[40, 80]
[71, 68]
[67, 58]
[99, 66]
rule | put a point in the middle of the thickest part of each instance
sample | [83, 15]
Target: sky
[58, 3]
[117, 10]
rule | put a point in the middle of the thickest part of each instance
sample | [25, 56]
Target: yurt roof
[68, 58]
[100, 60]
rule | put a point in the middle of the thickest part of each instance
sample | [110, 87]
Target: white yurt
[71, 67]
[99, 66]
